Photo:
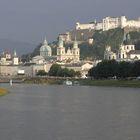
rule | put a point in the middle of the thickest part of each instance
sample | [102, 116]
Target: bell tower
[60, 49]
[76, 50]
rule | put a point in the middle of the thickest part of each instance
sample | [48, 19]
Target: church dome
[45, 49]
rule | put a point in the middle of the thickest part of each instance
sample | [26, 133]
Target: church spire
[15, 53]
[45, 41]
[75, 44]
[61, 43]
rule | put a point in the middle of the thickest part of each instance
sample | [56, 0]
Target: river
[41, 112]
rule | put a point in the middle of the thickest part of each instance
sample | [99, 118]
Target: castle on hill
[84, 32]
[110, 23]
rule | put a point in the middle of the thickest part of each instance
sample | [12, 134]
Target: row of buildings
[110, 23]
[70, 54]
[67, 58]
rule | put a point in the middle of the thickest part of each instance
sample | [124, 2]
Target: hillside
[112, 38]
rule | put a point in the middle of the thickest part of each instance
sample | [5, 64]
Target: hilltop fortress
[84, 32]
[110, 23]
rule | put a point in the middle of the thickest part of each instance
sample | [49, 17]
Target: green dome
[45, 50]
[45, 47]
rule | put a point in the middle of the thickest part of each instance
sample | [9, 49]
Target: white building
[110, 23]
[80, 26]
[126, 52]
[82, 67]
[9, 59]
[89, 26]
[38, 59]
[71, 54]
[115, 22]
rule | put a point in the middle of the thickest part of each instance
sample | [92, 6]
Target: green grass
[89, 82]
[112, 83]
[43, 81]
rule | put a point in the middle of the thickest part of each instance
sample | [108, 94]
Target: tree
[136, 69]
[124, 69]
[54, 70]
[41, 73]
[104, 69]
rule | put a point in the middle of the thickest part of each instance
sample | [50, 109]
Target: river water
[40, 112]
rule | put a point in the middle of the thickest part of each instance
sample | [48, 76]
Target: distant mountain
[20, 47]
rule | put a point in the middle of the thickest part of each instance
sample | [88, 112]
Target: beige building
[9, 59]
[27, 70]
[82, 67]
[71, 54]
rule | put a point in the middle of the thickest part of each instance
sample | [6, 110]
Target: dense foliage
[112, 68]
[56, 70]
[41, 73]
[112, 38]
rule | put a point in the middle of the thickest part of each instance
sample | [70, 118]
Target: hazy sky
[32, 20]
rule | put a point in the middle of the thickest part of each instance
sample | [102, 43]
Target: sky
[32, 20]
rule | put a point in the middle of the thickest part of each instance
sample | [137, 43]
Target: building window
[123, 55]
[119, 56]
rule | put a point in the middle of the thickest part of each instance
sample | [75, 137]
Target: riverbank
[3, 92]
[88, 82]
[112, 83]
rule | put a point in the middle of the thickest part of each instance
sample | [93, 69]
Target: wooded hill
[102, 39]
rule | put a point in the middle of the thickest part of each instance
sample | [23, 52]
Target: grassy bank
[43, 81]
[88, 82]
[3, 92]
[112, 83]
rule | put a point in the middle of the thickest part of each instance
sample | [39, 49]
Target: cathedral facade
[71, 54]
[7, 58]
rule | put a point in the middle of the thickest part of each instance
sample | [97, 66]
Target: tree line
[112, 68]
[56, 70]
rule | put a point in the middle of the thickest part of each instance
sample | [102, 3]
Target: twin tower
[63, 54]
[72, 54]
